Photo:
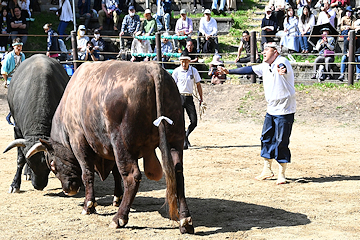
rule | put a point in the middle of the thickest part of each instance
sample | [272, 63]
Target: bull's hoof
[120, 223]
[117, 201]
[186, 225]
[89, 208]
[27, 177]
[14, 190]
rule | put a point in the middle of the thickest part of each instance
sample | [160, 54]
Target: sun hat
[207, 11]
[182, 11]
[185, 56]
[216, 60]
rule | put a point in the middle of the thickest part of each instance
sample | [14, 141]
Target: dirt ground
[321, 200]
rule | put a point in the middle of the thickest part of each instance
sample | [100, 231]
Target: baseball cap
[207, 11]
[147, 11]
[131, 8]
[183, 11]
[82, 27]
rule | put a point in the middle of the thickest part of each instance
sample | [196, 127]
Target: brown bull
[105, 117]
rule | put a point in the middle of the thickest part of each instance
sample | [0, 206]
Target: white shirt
[306, 27]
[184, 79]
[323, 18]
[208, 27]
[66, 11]
[279, 89]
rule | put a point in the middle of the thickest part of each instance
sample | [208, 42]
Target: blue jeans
[165, 19]
[275, 137]
[344, 60]
[215, 2]
[61, 28]
[303, 42]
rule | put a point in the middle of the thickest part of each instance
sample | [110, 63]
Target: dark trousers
[189, 106]
[209, 46]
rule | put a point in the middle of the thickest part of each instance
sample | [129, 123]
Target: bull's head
[62, 163]
[37, 163]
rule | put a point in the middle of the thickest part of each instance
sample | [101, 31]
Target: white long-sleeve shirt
[66, 11]
[306, 27]
[208, 27]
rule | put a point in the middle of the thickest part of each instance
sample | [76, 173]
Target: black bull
[33, 96]
[105, 117]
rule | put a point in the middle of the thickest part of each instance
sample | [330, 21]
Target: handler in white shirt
[186, 77]
[208, 29]
[278, 80]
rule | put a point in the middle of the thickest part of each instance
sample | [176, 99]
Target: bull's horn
[16, 143]
[37, 147]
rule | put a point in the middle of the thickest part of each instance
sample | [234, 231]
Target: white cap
[147, 11]
[207, 11]
[82, 27]
[273, 45]
[268, 9]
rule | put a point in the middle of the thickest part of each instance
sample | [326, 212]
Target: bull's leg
[27, 172]
[131, 176]
[15, 185]
[184, 213]
[118, 192]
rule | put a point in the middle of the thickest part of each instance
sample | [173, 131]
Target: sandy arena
[321, 200]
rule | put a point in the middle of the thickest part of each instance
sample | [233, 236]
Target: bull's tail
[168, 164]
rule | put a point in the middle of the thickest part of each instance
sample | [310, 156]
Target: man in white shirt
[186, 77]
[208, 33]
[326, 15]
[278, 80]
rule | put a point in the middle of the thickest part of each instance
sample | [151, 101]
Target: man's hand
[121, 33]
[222, 70]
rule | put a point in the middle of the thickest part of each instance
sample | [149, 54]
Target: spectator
[326, 46]
[12, 61]
[191, 51]
[140, 46]
[129, 26]
[183, 27]
[98, 44]
[291, 38]
[345, 58]
[269, 27]
[166, 47]
[25, 8]
[110, 9]
[148, 27]
[216, 76]
[90, 53]
[18, 25]
[163, 14]
[326, 15]
[307, 21]
[207, 33]
[221, 7]
[127, 4]
[338, 6]
[5, 29]
[347, 21]
[186, 77]
[245, 44]
[82, 42]
[357, 21]
[278, 8]
[65, 17]
[300, 5]
[12, 4]
[84, 11]
[52, 41]
[202, 6]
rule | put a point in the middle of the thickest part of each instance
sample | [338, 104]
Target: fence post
[351, 57]
[74, 48]
[158, 46]
[253, 49]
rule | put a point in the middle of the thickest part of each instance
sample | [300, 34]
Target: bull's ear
[47, 144]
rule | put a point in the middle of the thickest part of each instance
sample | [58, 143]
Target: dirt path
[321, 200]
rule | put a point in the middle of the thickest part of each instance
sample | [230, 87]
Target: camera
[339, 4]
[213, 70]
[90, 48]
